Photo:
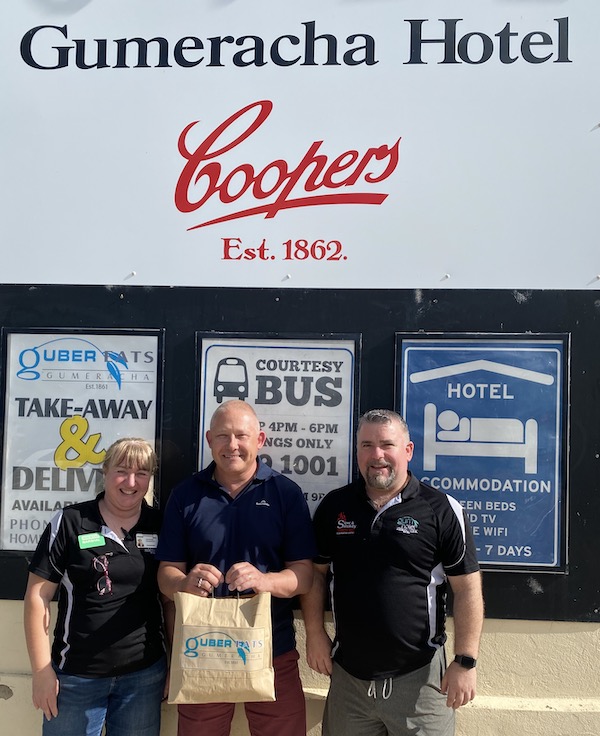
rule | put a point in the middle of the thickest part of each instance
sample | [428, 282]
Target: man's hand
[244, 576]
[201, 580]
[459, 685]
[318, 652]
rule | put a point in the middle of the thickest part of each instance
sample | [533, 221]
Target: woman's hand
[45, 691]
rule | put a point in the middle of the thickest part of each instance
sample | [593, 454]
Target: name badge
[91, 540]
[146, 541]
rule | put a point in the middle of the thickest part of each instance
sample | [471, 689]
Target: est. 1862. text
[291, 250]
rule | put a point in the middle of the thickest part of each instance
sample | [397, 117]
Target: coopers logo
[317, 180]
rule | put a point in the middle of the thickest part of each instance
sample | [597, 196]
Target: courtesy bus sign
[487, 420]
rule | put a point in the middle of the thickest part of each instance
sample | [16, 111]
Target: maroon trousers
[285, 715]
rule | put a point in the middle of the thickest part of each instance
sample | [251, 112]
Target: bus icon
[231, 379]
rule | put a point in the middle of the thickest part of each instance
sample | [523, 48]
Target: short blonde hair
[131, 452]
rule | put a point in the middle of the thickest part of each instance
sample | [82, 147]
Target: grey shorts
[410, 705]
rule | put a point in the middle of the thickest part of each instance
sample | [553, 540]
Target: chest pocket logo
[407, 525]
[343, 526]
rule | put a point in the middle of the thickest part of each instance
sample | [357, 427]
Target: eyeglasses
[104, 584]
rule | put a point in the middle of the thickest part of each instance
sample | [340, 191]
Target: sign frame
[303, 465]
[251, 184]
[145, 346]
[515, 428]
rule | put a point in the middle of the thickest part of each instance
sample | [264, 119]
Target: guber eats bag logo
[220, 645]
[284, 186]
[214, 639]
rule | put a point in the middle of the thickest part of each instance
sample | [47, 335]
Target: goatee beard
[376, 479]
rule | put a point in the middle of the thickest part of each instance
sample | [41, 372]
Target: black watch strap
[465, 661]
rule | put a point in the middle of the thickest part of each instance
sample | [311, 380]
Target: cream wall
[536, 678]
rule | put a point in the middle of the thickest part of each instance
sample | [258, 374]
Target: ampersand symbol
[73, 430]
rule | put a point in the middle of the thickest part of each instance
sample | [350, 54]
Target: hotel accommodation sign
[488, 419]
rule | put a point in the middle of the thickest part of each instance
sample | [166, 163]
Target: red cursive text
[203, 176]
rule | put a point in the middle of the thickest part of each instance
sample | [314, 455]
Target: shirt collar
[408, 491]
[263, 471]
[93, 519]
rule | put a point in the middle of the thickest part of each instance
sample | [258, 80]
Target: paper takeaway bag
[222, 650]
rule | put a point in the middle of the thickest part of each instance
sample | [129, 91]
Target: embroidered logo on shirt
[344, 526]
[263, 503]
[407, 525]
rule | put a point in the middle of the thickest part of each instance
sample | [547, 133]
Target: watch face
[465, 661]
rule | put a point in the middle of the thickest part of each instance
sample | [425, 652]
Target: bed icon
[447, 434]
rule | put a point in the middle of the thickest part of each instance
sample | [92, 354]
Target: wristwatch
[465, 661]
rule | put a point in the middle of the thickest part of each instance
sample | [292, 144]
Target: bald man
[240, 526]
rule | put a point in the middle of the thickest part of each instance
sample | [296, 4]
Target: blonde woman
[106, 665]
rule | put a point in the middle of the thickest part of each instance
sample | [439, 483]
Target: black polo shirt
[389, 574]
[109, 612]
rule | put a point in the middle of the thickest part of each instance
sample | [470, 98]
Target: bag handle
[237, 594]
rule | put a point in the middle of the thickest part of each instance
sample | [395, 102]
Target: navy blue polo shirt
[267, 524]
[109, 612]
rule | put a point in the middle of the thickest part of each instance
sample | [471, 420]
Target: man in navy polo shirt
[393, 544]
[240, 526]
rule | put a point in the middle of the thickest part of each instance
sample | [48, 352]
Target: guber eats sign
[265, 144]
[68, 397]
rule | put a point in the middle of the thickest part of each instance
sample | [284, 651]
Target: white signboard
[304, 393]
[370, 144]
[68, 398]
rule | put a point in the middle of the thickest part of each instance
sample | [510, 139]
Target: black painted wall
[377, 315]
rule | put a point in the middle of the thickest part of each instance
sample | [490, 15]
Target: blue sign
[486, 417]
